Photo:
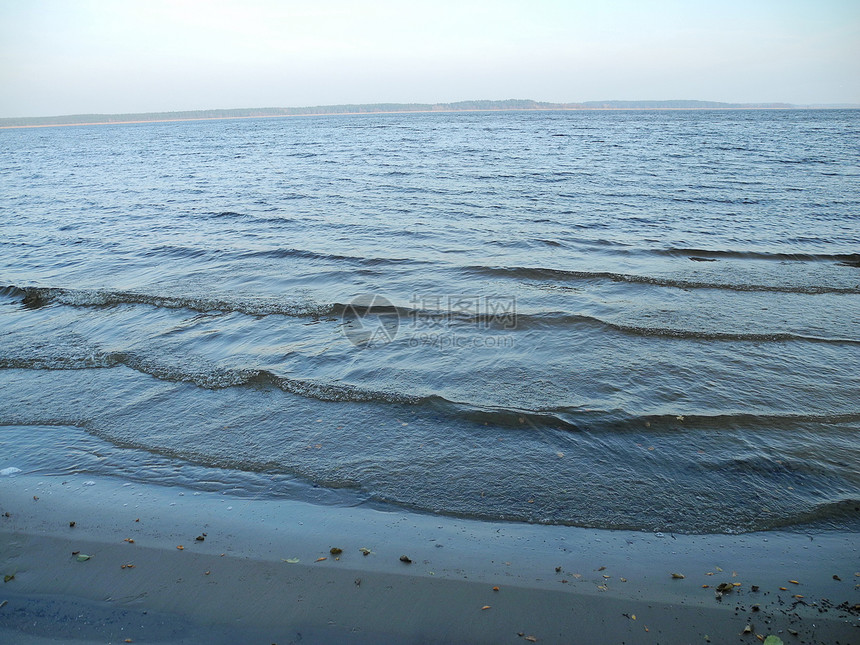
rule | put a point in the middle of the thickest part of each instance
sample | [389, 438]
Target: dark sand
[251, 594]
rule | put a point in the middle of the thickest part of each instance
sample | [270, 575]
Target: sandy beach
[264, 572]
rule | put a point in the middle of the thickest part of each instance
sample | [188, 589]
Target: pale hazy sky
[108, 56]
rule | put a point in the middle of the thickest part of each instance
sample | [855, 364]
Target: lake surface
[639, 320]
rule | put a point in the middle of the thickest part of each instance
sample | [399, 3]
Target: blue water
[644, 320]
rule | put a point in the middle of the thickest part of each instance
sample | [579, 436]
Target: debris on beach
[773, 640]
[290, 560]
[495, 588]
[320, 559]
[82, 557]
[71, 525]
[405, 559]
[335, 550]
[485, 607]
[8, 577]
[835, 577]
[129, 540]
[201, 537]
[365, 551]
[723, 588]
[678, 576]
[180, 547]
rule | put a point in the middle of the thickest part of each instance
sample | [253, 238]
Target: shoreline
[368, 113]
[256, 591]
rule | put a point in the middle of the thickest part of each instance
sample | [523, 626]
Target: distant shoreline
[284, 116]
[389, 108]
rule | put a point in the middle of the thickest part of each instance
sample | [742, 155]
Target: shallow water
[643, 320]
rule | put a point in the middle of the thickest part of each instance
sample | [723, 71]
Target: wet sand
[259, 576]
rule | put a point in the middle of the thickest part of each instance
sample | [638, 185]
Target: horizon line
[349, 109]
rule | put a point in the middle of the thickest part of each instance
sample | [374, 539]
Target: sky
[119, 56]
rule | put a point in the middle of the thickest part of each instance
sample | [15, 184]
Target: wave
[92, 360]
[280, 253]
[835, 513]
[528, 321]
[541, 273]
[172, 251]
[569, 418]
[37, 297]
[625, 248]
[758, 255]
[215, 378]
[224, 215]
[211, 377]
[595, 420]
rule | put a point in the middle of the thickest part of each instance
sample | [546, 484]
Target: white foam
[8, 472]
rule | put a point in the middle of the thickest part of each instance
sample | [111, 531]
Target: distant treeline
[459, 106]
